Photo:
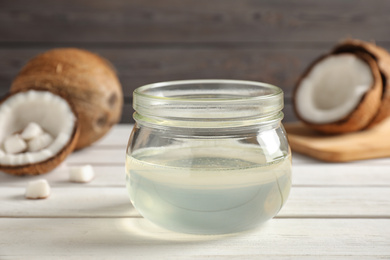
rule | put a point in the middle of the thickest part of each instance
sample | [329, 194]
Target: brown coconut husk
[382, 58]
[89, 81]
[364, 112]
[51, 163]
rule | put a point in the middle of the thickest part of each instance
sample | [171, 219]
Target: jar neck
[208, 104]
[269, 121]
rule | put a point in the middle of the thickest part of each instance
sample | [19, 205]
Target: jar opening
[208, 100]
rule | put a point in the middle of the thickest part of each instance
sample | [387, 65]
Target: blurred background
[150, 41]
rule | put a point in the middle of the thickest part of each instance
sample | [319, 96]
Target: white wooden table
[335, 211]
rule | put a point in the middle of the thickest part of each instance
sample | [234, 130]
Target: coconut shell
[51, 163]
[89, 81]
[365, 111]
[382, 58]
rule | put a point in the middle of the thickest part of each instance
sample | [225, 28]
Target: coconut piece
[339, 93]
[81, 174]
[50, 111]
[382, 58]
[39, 142]
[14, 144]
[39, 189]
[88, 80]
[31, 131]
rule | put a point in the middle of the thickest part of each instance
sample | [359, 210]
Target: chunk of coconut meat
[333, 88]
[39, 142]
[39, 189]
[49, 111]
[32, 130]
[14, 144]
[81, 174]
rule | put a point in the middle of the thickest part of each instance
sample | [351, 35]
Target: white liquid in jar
[207, 190]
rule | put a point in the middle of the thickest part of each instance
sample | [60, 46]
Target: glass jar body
[210, 180]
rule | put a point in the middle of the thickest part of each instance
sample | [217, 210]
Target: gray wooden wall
[150, 41]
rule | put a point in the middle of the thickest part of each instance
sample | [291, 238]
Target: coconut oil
[208, 190]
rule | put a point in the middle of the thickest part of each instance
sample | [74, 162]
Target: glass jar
[208, 156]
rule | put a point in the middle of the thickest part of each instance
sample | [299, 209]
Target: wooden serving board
[367, 144]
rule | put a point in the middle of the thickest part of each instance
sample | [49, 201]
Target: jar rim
[142, 90]
[211, 99]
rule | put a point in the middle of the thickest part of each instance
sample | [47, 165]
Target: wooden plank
[115, 137]
[118, 237]
[300, 159]
[357, 202]
[115, 156]
[289, 115]
[127, 114]
[323, 175]
[140, 66]
[122, 21]
[102, 157]
[304, 202]
[105, 176]
[216, 257]
[341, 175]
[75, 200]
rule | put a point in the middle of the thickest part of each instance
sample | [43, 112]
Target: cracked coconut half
[339, 93]
[38, 130]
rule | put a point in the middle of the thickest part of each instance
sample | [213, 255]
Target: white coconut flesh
[50, 111]
[333, 88]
